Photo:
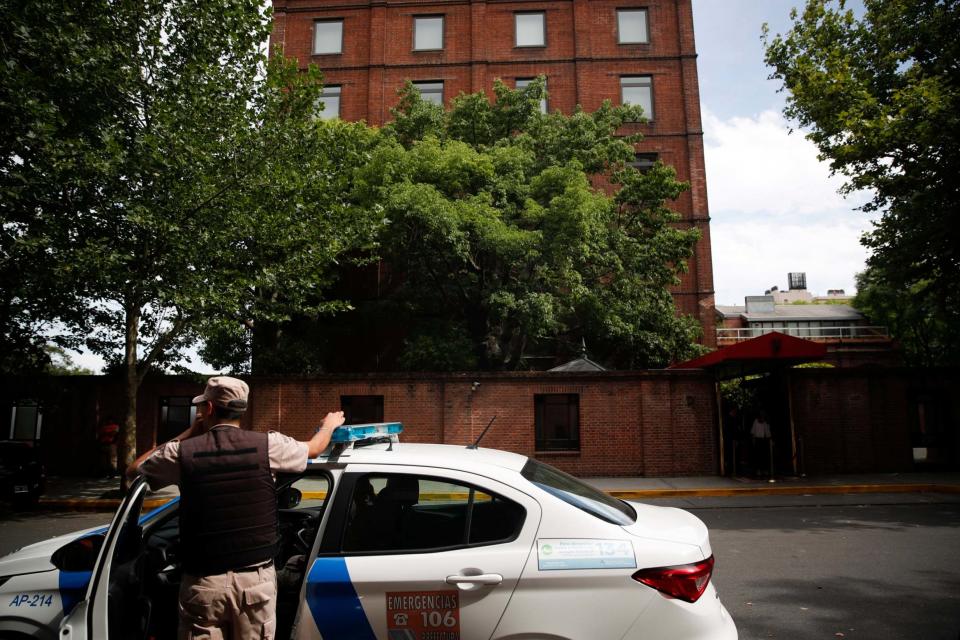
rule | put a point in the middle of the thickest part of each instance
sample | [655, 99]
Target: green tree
[880, 97]
[159, 177]
[509, 246]
[911, 315]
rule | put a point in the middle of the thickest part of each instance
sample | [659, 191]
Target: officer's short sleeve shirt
[162, 468]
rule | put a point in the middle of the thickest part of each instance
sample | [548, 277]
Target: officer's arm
[321, 440]
[195, 428]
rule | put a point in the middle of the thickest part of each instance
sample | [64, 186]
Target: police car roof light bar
[357, 434]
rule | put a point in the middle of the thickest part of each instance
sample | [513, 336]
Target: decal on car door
[423, 615]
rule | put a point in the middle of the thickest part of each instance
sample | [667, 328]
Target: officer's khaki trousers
[237, 605]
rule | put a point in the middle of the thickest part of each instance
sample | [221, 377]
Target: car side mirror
[288, 498]
[79, 555]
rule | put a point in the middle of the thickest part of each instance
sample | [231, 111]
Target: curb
[111, 504]
[780, 490]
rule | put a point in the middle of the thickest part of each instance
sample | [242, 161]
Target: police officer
[228, 511]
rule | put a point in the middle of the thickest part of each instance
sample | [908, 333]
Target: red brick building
[637, 51]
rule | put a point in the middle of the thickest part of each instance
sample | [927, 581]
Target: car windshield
[578, 493]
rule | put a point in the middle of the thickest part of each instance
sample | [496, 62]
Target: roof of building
[794, 312]
[583, 363]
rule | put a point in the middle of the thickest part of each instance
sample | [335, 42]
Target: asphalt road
[878, 572]
[790, 567]
[20, 528]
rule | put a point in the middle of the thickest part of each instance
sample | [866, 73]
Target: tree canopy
[880, 97]
[159, 176]
[507, 247]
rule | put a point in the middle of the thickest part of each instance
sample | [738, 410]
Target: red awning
[764, 353]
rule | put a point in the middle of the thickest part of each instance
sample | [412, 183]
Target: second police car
[389, 541]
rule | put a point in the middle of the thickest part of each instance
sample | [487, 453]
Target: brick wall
[582, 60]
[655, 423]
[649, 423]
[862, 420]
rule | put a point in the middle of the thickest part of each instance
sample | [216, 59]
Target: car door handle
[490, 579]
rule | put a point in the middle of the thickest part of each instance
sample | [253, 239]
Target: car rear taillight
[685, 582]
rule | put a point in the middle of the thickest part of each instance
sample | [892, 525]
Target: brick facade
[649, 423]
[582, 60]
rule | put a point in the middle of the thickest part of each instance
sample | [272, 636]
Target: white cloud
[775, 209]
[749, 256]
[754, 164]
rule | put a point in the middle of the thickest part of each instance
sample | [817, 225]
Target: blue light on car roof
[357, 432]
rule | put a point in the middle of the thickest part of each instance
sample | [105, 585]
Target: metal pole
[793, 430]
[716, 388]
[770, 441]
[803, 459]
[733, 470]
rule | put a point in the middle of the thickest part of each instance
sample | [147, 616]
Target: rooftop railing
[853, 333]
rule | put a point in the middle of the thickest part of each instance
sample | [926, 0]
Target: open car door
[114, 605]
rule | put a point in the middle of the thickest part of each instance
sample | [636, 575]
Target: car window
[313, 490]
[578, 493]
[409, 513]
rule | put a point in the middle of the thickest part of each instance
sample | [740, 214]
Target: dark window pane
[557, 418]
[494, 519]
[407, 513]
[176, 414]
[578, 493]
[643, 162]
[362, 409]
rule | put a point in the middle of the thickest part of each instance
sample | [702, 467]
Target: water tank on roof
[797, 280]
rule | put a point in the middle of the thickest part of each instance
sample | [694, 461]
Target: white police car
[389, 541]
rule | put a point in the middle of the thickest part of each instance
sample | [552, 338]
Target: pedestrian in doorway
[108, 433]
[760, 435]
[228, 511]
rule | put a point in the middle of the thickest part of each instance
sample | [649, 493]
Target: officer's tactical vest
[228, 503]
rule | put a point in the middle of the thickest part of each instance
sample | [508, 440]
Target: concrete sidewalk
[100, 494]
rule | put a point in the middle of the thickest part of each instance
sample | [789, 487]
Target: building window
[330, 99]
[427, 33]
[431, 91]
[26, 418]
[523, 83]
[176, 414]
[557, 418]
[632, 26]
[362, 409]
[327, 37]
[643, 162]
[638, 90]
[531, 29]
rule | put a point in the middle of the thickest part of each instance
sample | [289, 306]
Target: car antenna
[483, 433]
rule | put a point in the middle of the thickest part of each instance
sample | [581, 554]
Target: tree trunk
[265, 344]
[127, 442]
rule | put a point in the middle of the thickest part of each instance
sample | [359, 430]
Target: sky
[774, 207]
